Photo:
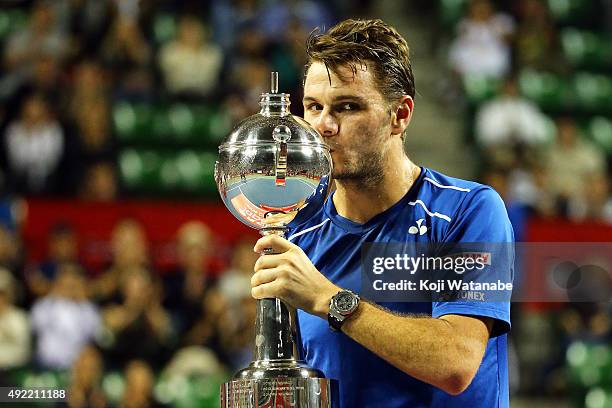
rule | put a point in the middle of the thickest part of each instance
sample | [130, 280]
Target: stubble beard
[365, 172]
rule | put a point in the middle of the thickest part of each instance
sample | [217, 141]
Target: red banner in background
[559, 230]
[94, 222]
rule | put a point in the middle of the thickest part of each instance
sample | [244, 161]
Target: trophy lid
[271, 162]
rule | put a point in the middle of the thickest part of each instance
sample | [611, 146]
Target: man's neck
[359, 204]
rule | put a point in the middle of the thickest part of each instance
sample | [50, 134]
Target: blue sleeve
[482, 221]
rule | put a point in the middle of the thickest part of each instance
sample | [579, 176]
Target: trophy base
[280, 392]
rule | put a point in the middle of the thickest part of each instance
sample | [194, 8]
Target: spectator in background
[139, 326]
[13, 212]
[139, 382]
[94, 129]
[130, 251]
[41, 37]
[570, 162]
[518, 212]
[252, 77]
[128, 55]
[277, 16]
[536, 38]
[236, 107]
[62, 248]
[190, 64]
[236, 322]
[65, 320]
[236, 282]
[508, 123]
[85, 389]
[288, 58]
[482, 43]
[9, 251]
[186, 288]
[15, 336]
[100, 182]
[236, 329]
[205, 331]
[88, 21]
[46, 78]
[35, 147]
[89, 86]
[227, 18]
[596, 203]
[528, 186]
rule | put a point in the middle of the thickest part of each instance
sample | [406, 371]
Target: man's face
[353, 119]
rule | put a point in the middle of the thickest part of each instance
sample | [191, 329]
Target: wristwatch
[341, 306]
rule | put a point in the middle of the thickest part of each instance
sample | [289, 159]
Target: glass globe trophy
[268, 167]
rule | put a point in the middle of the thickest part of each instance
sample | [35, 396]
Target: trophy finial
[274, 82]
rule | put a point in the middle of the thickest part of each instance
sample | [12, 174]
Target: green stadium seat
[206, 390]
[451, 11]
[196, 171]
[140, 170]
[12, 20]
[598, 397]
[587, 363]
[599, 131]
[113, 385]
[168, 172]
[586, 49]
[161, 127]
[592, 92]
[208, 186]
[572, 12]
[164, 28]
[169, 176]
[177, 125]
[203, 116]
[479, 88]
[220, 127]
[211, 126]
[134, 123]
[182, 123]
[550, 92]
[188, 392]
[46, 379]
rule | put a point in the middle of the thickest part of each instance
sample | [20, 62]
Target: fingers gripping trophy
[268, 166]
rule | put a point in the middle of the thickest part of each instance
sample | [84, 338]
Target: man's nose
[326, 124]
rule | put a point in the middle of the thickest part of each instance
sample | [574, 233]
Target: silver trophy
[268, 167]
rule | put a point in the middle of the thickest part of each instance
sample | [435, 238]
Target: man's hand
[290, 276]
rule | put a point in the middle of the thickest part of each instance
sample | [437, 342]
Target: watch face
[345, 302]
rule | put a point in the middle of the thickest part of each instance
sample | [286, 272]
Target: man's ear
[402, 115]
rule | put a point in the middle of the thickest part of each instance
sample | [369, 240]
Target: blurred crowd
[70, 62]
[543, 163]
[128, 317]
[539, 161]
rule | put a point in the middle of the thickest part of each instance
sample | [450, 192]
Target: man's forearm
[433, 350]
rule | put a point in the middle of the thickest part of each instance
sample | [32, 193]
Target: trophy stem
[276, 334]
[277, 376]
